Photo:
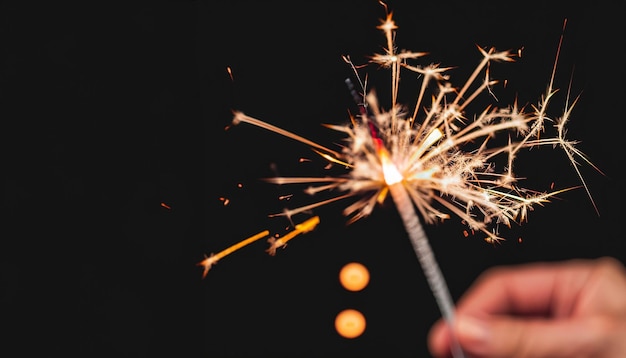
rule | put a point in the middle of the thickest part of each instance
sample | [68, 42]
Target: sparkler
[433, 158]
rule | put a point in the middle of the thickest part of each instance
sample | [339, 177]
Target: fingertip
[439, 339]
[474, 334]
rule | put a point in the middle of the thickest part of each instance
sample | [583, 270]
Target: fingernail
[472, 329]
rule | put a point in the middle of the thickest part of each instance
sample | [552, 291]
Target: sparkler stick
[420, 243]
[426, 258]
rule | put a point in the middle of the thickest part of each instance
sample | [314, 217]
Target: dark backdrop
[116, 167]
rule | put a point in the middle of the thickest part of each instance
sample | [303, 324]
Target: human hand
[573, 308]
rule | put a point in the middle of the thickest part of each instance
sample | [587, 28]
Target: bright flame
[390, 172]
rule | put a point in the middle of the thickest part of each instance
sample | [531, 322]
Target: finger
[530, 289]
[439, 339]
[525, 289]
[514, 337]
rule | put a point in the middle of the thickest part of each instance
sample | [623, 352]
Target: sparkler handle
[426, 258]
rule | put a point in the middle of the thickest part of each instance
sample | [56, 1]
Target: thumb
[522, 337]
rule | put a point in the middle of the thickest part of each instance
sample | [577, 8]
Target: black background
[112, 108]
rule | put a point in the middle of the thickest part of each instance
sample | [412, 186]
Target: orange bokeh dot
[354, 276]
[350, 323]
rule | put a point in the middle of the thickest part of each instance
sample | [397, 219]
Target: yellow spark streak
[430, 72]
[302, 228]
[301, 209]
[431, 139]
[333, 159]
[434, 110]
[212, 260]
[240, 117]
[304, 180]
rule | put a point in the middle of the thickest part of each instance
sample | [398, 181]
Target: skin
[574, 308]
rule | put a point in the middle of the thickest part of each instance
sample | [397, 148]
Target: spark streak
[211, 260]
[275, 243]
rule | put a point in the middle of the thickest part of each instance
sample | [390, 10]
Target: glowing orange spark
[302, 228]
[230, 73]
[211, 260]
